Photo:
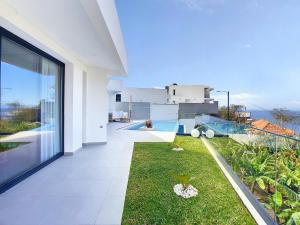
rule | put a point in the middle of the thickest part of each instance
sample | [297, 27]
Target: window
[118, 97]
[174, 91]
[30, 108]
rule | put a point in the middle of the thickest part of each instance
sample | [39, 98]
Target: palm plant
[184, 180]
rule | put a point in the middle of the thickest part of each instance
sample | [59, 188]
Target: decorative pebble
[177, 149]
[189, 192]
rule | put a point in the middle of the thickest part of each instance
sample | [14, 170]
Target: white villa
[66, 156]
[189, 94]
[172, 102]
[171, 94]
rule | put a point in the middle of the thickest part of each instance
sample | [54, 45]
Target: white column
[73, 108]
[96, 102]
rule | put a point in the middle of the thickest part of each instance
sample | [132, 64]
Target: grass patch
[5, 146]
[150, 198]
[11, 127]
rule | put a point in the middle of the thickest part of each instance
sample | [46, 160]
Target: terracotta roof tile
[270, 127]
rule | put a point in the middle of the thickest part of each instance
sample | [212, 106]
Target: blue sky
[250, 47]
[24, 86]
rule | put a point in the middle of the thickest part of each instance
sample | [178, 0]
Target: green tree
[284, 116]
[233, 112]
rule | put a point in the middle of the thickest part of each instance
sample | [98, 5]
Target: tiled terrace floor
[87, 188]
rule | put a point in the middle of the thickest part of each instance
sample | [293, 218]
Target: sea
[260, 114]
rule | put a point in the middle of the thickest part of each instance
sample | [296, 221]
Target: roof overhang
[89, 29]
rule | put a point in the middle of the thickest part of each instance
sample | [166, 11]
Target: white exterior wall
[112, 101]
[85, 103]
[187, 93]
[164, 112]
[73, 103]
[153, 95]
[96, 106]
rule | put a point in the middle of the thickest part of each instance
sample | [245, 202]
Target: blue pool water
[45, 127]
[221, 126]
[159, 125]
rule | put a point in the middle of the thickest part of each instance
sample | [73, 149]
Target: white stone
[189, 192]
[177, 149]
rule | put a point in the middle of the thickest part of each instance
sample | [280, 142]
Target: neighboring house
[243, 117]
[62, 52]
[273, 128]
[188, 94]
[172, 102]
[152, 95]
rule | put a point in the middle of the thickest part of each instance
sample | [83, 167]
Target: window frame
[118, 99]
[7, 34]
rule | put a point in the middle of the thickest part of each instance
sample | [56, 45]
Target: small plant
[176, 147]
[184, 180]
[184, 188]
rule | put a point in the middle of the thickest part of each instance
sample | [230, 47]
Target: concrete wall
[140, 110]
[189, 110]
[153, 95]
[146, 110]
[164, 112]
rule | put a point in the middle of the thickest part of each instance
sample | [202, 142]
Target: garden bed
[150, 198]
[272, 176]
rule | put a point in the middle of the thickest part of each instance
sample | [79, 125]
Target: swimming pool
[159, 125]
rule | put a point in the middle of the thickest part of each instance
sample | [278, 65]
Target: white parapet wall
[189, 125]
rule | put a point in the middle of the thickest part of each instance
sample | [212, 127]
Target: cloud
[201, 4]
[247, 45]
[247, 99]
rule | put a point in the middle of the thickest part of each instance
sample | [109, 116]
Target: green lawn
[150, 198]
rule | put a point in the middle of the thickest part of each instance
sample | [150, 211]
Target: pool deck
[87, 188]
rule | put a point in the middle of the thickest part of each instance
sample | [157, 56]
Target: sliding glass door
[30, 108]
